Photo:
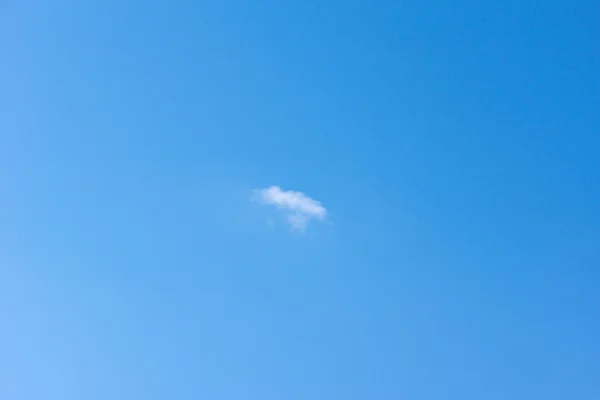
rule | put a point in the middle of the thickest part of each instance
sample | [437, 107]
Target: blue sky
[446, 244]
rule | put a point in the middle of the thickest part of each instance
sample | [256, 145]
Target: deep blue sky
[455, 146]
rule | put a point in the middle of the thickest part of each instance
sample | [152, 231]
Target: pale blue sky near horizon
[454, 145]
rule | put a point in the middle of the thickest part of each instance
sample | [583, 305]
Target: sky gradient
[446, 245]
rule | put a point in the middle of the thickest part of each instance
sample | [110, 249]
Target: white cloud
[300, 208]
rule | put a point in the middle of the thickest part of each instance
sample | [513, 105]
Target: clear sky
[299, 200]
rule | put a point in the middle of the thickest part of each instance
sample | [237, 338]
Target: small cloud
[299, 207]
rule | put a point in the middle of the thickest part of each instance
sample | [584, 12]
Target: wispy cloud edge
[299, 207]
